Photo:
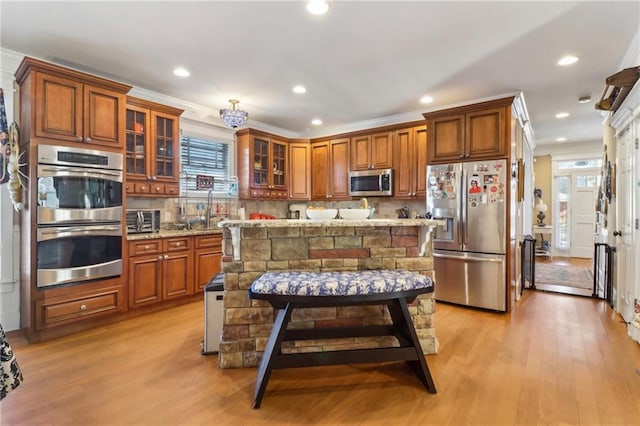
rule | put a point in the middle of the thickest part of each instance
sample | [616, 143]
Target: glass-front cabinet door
[165, 144]
[137, 126]
[279, 164]
[261, 163]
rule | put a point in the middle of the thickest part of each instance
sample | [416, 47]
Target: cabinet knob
[78, 138]
[166, 256]
[148, 177]
[154, 178]
[178, 244]
[617, 233]
[461, 156]
[160, 257]
[83, 307]
[87, 140]
[146, 247]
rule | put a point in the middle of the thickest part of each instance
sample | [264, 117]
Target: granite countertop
[309, 223]
[164, 233]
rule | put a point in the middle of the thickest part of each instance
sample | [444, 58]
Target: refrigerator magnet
[474, 186]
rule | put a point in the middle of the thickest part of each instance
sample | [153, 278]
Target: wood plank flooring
[555, 359]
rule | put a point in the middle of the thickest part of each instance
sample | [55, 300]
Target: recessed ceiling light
[316, 122]
[181, 72]
[584, 99]
[562, 115]
[299, 89]
[317, 7]
[567, 60]
[426, 99]
[561, 139]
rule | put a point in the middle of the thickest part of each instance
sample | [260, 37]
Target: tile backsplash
[386, 208]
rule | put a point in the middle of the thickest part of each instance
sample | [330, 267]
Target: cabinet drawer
[141, 188]
[209, 241]
[171, 189]
[157, 188]
[177, 244]
[141, 248]
[71, 310]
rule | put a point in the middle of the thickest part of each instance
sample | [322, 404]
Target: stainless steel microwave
[146, 220]
[371, 182]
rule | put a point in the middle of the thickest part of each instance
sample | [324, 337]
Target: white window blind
[203, 157]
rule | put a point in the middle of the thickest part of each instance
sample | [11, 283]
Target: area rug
[569, 276]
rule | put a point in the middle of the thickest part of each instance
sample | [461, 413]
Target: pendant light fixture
[233, 117]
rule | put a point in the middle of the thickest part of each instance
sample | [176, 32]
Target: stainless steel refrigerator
[470, 249]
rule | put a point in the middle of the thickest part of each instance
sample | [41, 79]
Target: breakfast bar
[253, 247]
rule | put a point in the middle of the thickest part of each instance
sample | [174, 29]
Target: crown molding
[9, 62]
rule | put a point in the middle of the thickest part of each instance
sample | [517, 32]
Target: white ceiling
[365, 62]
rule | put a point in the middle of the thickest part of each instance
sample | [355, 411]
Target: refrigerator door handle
[463, 205]
[471, 258]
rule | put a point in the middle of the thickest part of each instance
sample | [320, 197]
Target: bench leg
[402, 321]
[271, 352]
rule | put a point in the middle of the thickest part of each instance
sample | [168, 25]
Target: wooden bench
[290, 290]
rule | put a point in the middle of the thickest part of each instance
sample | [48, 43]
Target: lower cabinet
[159, 270]
[73, 306]
[208, 259]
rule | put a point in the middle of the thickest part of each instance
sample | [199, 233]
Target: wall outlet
[167, 216]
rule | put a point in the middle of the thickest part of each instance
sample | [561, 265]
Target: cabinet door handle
[87, 140]
[617, 233]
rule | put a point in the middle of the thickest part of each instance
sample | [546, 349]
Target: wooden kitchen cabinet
[299, 171]
[374, 151]
[160, 270]
[470, 132]
[208, 259]
[263, 171]
[66, 105]
[329, 170]
[410, 166]
[71, 305]
[152, 149]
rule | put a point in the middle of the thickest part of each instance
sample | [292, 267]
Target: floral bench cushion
[304, 283]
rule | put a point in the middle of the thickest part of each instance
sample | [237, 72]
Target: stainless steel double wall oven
[79, 218]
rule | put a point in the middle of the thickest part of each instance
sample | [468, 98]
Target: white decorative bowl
[354, 214]
[322, 214]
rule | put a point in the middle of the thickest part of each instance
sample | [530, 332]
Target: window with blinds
[203, 157]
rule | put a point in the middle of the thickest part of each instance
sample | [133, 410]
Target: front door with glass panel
[582, 212]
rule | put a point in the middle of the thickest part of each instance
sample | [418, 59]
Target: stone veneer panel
[248, 323]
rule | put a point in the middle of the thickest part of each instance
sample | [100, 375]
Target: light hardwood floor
[555, 360]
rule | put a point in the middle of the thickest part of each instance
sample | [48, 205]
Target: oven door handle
[73, 171]
[53, 233]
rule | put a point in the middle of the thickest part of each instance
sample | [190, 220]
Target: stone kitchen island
[252, 247]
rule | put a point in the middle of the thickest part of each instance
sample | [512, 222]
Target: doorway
[573, 204]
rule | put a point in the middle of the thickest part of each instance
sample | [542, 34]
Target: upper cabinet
[152, 149]
[329, 170]
[410, 165]
[470, 132]
[262, 165]
[299, 171]
[374, 151]
[66, 105]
